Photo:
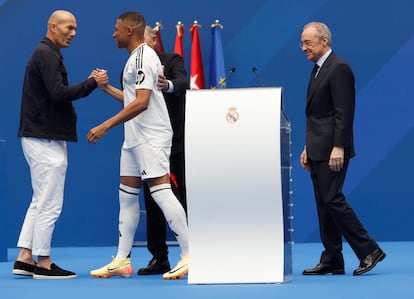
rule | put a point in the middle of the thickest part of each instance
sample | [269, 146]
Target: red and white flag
[196, 66]
[178, 46]
[157, 29]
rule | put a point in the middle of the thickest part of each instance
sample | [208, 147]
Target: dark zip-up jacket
[46, 109]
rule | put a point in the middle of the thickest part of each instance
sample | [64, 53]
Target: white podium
[234, 187]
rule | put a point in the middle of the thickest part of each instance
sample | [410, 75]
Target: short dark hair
[135, 20]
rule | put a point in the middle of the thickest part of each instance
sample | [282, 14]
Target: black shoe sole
[333, 272]
[154, 272]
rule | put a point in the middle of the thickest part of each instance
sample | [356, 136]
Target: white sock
[128, 219]
[173, 212]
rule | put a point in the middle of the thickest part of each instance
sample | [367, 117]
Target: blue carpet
[392, 278]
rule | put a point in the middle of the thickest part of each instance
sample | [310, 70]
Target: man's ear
[129, 30]
[52, 28]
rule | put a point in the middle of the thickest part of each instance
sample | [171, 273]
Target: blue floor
[392, 278]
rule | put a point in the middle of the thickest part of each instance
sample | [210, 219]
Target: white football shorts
[145, 161]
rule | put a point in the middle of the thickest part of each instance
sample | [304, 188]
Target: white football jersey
[152, 125]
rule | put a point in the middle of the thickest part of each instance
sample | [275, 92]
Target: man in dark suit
[330, 106]
[174, 84]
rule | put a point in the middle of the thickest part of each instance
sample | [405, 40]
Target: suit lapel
[314, 82]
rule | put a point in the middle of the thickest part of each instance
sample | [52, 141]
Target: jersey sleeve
[147, 74]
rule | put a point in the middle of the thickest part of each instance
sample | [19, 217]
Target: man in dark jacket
[47, 121]
[330, 106]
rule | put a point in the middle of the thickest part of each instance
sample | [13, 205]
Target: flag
[178, 46]
[196, 66]
[217, 69]
[157, 28]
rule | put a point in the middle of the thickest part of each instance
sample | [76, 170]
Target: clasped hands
[100, 76]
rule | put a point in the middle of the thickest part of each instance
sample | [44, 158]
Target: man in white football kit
[146, 148]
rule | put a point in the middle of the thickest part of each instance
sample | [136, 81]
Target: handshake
[100, 76]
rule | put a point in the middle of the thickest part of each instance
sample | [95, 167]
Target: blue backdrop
[375, 37]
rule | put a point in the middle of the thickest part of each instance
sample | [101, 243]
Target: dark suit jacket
[174, 70]
[330, 109]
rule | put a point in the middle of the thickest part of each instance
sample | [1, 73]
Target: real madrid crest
[232, 115]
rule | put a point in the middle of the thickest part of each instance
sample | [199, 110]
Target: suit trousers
[336, 217]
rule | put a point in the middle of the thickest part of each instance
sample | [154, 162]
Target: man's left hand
[336, 160]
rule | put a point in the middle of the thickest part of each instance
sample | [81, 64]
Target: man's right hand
[304, 160]
[100, 76]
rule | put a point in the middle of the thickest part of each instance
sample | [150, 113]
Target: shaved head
[60, 16]
[61, 28]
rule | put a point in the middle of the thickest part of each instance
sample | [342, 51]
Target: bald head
[61, 28]
[59, 16]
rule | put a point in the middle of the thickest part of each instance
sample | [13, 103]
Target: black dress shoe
[322, 268]
[369, 262]
[155, 266]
